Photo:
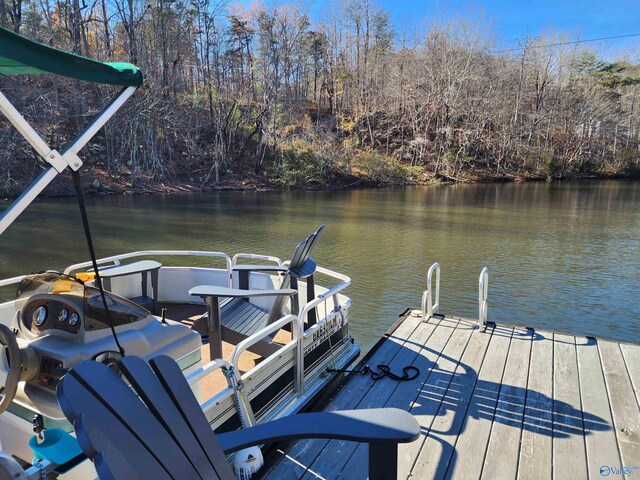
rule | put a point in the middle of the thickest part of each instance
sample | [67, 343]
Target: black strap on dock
[383, 371]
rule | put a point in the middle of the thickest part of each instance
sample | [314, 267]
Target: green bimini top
[21, 56]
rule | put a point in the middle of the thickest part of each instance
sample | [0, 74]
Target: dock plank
[624, 407]
[431, 395]
[504, 442]
[631, 354]
[337, 453]
[534, 462]
[294, 461]
[569, 456]
[600, 439]
[438, 449]
[472, 441]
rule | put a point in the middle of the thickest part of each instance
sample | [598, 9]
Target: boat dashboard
[48, 314]
[52, 303]
[63, 321]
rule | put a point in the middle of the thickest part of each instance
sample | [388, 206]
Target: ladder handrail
[483, 305]
[428, 306]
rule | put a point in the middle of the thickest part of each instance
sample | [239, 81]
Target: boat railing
[345, 281]
[116, 259]
[232, 369]
[483, 305]
[206, 370]
[251, 256]
[333, 293]
[236, 380]
[11, 281]
[429, 307]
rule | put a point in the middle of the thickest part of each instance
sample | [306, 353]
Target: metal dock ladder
[431, 297]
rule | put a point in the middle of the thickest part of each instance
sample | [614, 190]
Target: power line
[568, 43]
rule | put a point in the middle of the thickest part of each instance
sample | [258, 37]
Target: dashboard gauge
[74, 319]
[40, 315]
[63, 315]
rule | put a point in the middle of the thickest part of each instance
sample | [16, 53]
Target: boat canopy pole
[57, 162]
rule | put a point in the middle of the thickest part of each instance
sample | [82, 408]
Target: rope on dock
[384, 370]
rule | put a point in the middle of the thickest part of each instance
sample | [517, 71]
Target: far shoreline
[92, 186]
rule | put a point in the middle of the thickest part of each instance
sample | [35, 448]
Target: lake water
[562, 256]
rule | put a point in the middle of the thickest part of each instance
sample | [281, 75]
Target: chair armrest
[213, 291]
[259, 268]
[378, 425]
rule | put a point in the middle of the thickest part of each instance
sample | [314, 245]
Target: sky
[513, 20]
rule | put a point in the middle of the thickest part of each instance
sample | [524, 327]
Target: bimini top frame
[20, 56]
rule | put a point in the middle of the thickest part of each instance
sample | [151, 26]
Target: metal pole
[58, 162]
[428, 306]
[298, 336]
[28, 196]
[105, 115]
[483, 292]
[21, 124]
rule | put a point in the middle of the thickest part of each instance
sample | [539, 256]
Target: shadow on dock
[508, 403]
[447, 392]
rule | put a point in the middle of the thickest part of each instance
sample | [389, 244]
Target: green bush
[382, 169]
[540, 163]
[300, 162]
[553, 167]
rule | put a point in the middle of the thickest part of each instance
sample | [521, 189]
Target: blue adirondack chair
[157, 430]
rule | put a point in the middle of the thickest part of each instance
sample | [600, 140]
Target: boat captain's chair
[232, 317]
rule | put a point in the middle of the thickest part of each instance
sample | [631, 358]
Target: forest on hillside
[264, 95]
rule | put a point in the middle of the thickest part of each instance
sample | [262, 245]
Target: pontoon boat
[259, 323]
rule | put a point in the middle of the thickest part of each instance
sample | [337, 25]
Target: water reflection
[562, 256]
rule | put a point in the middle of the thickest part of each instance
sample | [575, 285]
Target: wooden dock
[508, 403]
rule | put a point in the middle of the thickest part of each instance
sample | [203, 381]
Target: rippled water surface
[561, 256]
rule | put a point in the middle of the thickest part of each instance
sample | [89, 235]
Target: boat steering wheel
[10, 367]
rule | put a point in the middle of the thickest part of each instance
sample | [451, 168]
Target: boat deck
[188, 314]
[508, 403]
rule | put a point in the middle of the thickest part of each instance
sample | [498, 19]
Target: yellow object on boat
[85, 276]
[62, 286]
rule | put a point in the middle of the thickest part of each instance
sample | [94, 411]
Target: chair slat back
[303, 250]
[161, 405]
[104, 437]
[120, 455]
[301, 255]
[176, 385]
[113, 423]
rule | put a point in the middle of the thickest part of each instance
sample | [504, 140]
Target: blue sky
[512, 20]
